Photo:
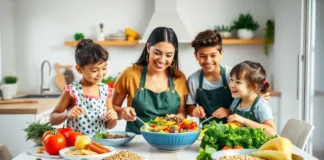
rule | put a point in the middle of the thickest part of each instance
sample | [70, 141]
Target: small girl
[247, 80]
[86, 104]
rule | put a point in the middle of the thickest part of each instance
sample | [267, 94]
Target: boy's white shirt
[193, 84]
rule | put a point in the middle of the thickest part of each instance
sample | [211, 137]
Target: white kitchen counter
[141, 147]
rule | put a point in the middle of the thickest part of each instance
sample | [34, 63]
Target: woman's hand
[221, 113]
[199, 112]
[236, 118]
[75, 112]
[129, 114]
[111, 115]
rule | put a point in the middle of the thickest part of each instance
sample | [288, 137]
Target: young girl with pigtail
[248, 79]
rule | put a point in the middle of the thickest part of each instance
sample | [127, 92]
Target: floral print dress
[94, 107]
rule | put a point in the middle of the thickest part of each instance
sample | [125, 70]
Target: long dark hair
[253, 73]
[207, 38]
[88, 52]
[162, 34]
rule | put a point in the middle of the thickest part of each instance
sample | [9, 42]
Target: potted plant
[9, 89]
[268, 36]
[245, 26]
[225, 31]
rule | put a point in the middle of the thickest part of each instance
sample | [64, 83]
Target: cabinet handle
[298, 70]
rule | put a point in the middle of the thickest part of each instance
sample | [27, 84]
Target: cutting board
[17, 101]
[60, 78]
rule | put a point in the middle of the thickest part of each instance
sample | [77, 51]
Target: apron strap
[171, 81]
[222, 71]
[252, 107]
[201, 78]
[143, 77]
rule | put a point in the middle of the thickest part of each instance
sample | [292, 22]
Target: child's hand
[111, 115]
[199, 112]
[236, 118]
[75, 112]
[221, 113]
[129, 114]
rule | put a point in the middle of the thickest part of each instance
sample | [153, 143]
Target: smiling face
[160, 56]
[93, 73]
[240, 87]
[209, 58]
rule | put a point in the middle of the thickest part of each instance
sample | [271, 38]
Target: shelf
[106, 43]
[243, 41]
[134, 43]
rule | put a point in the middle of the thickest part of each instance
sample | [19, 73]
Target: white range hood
[166, 15]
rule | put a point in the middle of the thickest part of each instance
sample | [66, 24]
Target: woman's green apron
[148, 104]
[211, 100]
[247, 114]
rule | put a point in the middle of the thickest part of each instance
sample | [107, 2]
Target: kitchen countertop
[42, 105]
[47, 103]
[141, 147]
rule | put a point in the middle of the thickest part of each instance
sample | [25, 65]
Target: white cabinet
[275, 104]
[12, 133]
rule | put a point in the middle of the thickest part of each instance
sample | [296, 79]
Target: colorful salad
[162, 125]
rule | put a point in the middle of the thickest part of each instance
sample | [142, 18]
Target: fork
[145, 124]
[207, 119]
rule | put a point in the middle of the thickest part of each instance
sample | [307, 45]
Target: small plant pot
[226, 34]
[245, 34]
[13, 89]
[38, 142]
[6, 92]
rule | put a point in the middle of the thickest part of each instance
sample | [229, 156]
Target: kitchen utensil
[205, 120]
[18, 101]
[60, 79]
[68, 74]
[146, 125]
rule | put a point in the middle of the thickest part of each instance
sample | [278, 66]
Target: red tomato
[167, 129]
[44, 135]
[237, 147]
[111, 84]
[152, 126]
[182, 125]
[71, 138]
[226, 148]
[192, 125]
[54, 142]
[64, 130]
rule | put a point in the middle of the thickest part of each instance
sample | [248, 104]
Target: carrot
[100, 146]
[96, 149]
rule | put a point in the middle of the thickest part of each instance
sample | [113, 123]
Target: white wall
[283, 56]
[318, 141]
[8, 62]
[40, 36]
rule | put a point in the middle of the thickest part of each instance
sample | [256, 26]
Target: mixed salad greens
[218, 136]
[101, 135]
[161, 125]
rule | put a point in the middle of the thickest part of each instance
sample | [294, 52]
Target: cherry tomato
[226, 148]
[237, 147]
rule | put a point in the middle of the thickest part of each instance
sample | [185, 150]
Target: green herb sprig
[35, 130]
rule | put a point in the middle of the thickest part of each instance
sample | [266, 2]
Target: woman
[154, 85]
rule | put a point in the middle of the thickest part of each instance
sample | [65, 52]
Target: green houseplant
[225, 31]
[245, 26]
[9, 89]
[268, 35]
